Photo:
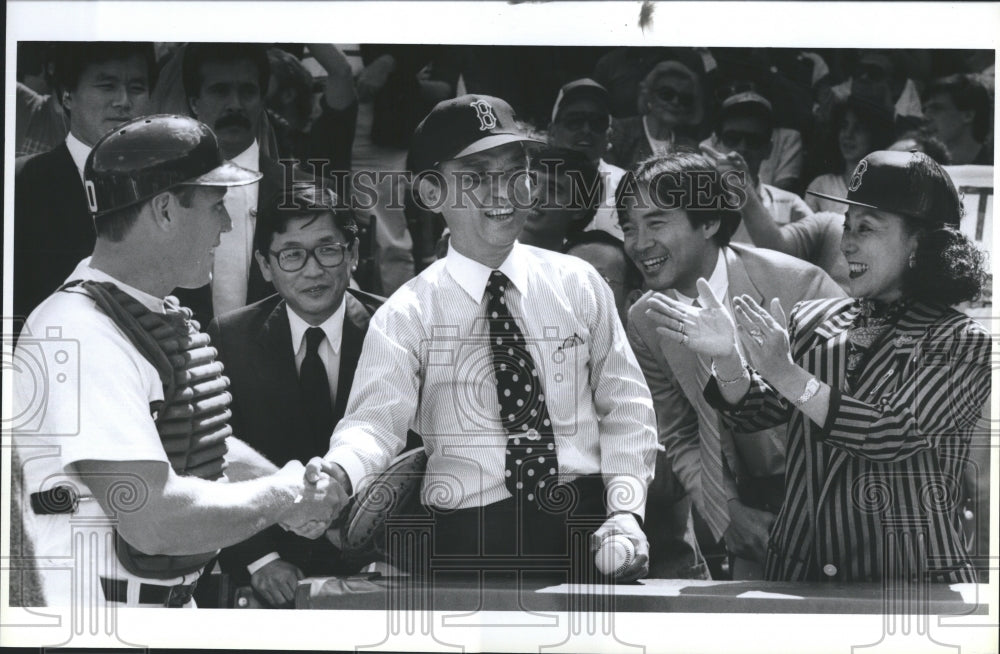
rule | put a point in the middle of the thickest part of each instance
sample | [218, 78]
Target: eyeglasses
[669, 94]
[328, 255]
[576, 121]
[733, 138]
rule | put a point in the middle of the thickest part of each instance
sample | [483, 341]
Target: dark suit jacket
[199, 299]
[53, 229]
[255, 345]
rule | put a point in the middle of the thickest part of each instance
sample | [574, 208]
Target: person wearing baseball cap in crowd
[745, 126]
[512, 364]
[881, 392]
[134, 385]
[581, 121]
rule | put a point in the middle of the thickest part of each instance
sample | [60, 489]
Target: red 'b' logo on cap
[487, 119]
[859, 172]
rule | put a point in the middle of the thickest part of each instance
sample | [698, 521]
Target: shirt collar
[472, 276]
[85, 272]
[249, 158]
[333, 327]
[78, 150]
[719, 281]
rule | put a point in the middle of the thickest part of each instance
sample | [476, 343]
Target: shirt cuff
[352, 465]
[626, 494]
[262, 561]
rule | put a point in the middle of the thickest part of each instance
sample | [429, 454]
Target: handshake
[321, 492]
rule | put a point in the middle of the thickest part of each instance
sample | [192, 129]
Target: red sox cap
[907, 183]
[152, 154]
[463, 126]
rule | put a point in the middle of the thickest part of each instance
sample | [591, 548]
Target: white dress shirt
[79, 151]
[426, 365]
[329, 349]
[234, 256]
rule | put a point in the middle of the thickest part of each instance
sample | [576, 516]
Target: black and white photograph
[485, 326]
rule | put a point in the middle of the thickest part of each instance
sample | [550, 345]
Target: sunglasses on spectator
[328, 255]
[668, 94]
[576, 121]
[733, 139]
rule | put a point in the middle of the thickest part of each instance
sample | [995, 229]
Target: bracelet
[728, 382]
[812, 387]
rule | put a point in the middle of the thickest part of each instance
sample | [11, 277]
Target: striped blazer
[874, 494]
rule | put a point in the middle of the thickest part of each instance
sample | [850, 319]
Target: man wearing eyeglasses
[511, 362]
[744, 127]
[290, 359]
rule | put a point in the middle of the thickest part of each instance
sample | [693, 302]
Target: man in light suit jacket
[675, 237]
[291, 360]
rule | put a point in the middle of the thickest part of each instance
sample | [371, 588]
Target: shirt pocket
[567, 375]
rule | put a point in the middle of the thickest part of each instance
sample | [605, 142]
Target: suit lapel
[276, 361]
[740, 282]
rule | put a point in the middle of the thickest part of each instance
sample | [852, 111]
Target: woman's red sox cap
[907, 183]
[463, 126]
[152, 154]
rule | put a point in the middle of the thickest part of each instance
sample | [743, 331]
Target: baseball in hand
[615, 554]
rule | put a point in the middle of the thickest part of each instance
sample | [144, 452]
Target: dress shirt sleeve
[943, 396]
[676, 420]
[622, 402]
[383, 400]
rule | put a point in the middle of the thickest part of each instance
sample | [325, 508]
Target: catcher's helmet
[152, 154]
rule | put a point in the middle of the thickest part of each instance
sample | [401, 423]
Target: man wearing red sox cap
[512, 364]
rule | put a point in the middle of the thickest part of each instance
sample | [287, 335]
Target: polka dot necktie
[531, 451]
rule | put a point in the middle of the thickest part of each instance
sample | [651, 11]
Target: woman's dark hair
[948, 268]
[688, 181]
[877, 120]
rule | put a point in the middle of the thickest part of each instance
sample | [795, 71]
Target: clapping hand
[764, 336]
[707, 330]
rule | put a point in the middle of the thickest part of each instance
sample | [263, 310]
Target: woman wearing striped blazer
[881, 393]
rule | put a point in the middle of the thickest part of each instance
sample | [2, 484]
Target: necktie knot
[497, 284]
[314, 336]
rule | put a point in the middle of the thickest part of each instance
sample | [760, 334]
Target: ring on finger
[684, 339]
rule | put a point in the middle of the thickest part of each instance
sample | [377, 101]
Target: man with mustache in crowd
[225, 84]
[101, 86]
